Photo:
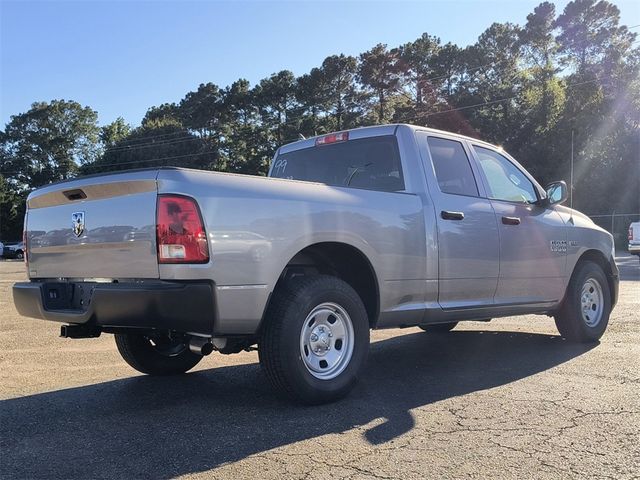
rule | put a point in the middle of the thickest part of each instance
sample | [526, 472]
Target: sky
[121, 57]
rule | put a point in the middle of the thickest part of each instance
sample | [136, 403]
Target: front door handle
[511, 220]
[446, 215]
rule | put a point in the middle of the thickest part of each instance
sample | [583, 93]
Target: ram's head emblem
[77, 219]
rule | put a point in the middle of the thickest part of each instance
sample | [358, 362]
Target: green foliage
[590, 33]
[342, 99]
[164, 112]
[524, 87]
[12, 207]
[159, 142]
[114, 132]
[416, 62]
[380, 72]
[276, 99]
[48, 143]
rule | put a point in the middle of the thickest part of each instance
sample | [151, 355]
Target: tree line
[526, 87]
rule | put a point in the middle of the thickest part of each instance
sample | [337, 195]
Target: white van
[634, 238]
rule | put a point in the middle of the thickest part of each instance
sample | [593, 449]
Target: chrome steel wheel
[592, 302]
[326, 341]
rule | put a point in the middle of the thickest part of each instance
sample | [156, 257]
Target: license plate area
[67, 295]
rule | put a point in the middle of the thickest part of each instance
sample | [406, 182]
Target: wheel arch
[341, 260]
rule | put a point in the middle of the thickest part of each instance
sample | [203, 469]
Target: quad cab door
[467, 231]
[533, 239]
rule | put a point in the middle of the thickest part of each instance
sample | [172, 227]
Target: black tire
[439, 327]
[570, 321]
[19, 255]
[280, 348]
[157, 355]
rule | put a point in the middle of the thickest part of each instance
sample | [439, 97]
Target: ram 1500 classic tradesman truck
[378, 227]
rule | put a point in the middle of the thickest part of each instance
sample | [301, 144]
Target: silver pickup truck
[378, 227]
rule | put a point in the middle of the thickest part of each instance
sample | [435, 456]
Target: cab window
[452, 168]
[372, 163]
[504, 180]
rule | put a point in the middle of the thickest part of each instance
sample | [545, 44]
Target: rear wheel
[19, 255]
[315, 339]
[584, 314]
[439, 327]
[159, 354]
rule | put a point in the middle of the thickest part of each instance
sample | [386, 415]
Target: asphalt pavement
[505, 399]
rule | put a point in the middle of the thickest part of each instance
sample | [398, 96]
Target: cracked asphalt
[506, 399]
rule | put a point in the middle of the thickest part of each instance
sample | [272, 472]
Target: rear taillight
[630, 233]
[332, 138]
[180, 231]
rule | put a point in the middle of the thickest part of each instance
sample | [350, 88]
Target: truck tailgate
[94, 227]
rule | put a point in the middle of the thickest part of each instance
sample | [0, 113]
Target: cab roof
[374, 131]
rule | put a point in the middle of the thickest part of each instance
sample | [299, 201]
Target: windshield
[371, 163]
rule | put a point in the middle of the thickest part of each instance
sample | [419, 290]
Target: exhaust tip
[201, 346]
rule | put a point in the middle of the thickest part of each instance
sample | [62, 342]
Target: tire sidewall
[141, 355]
[586, 271]
[310, 388]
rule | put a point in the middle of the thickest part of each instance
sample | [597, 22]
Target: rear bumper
[180, 306]
[634, 249]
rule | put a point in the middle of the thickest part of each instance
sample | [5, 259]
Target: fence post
[613, 216]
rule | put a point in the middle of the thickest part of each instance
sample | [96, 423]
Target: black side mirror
[557, 193]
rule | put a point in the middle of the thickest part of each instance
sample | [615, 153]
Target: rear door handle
[511, 220]
[446, 215]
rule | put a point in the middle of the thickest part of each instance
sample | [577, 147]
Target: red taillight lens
[630, 233]
[180, 231]
[333, 138]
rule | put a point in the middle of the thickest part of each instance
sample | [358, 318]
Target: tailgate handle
[76, 194]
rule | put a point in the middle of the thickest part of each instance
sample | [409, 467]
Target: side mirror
[557, 193]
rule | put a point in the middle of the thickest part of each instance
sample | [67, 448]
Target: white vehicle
[634, 238]
[13, 250]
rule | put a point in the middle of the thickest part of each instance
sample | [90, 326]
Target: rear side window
[371, 163]
[452, 167]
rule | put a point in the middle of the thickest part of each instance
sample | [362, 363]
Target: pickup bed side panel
[256, 225]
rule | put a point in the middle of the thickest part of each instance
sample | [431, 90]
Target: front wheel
[158, 354]
[315, 339]
[584, 314]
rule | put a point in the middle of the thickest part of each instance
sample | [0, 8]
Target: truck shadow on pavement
[145, 427]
